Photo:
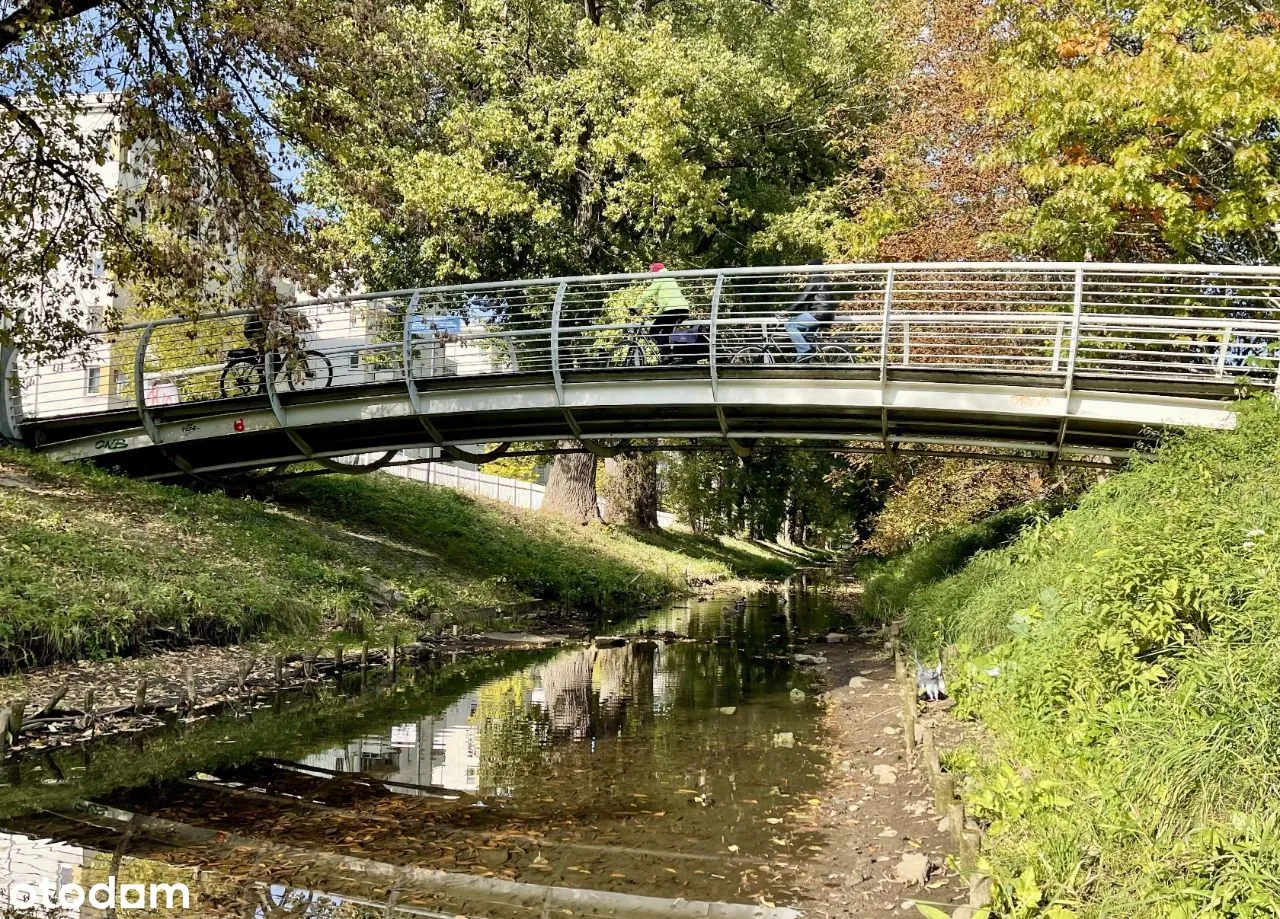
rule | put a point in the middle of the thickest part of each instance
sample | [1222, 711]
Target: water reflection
[666, 766]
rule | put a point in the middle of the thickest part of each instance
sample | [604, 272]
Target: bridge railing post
[10, 396]
[884, 326]
[715, 334]
[556, 308]
[1073, 345]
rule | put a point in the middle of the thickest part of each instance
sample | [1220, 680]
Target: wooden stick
[931, 754]
[909, 717]
[140, 696]
[5, 713]
[52, 704]
[17, 709]
[944, 792]
[955, 816]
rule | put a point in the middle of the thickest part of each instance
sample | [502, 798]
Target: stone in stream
[886, 775]
[811, 659]
[728, 709]
[797, 695]
[913, 869]
[857, 682]
[836, 638]
[784, 739]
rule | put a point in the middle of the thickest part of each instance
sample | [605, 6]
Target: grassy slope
[93, 565]
[1136, 761]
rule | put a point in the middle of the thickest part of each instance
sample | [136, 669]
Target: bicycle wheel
[627, 354]
[309, 370]
[752, 354]
[242, 378]
[836, 355]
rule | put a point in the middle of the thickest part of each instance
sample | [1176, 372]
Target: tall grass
[1126, 659]
[890, 582]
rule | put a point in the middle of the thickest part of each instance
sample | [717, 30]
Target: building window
[93, 381]
[118, 382]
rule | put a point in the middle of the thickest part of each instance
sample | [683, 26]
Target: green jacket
[665, 293]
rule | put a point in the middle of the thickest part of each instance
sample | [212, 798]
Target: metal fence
[515, 492]
[1154, 323]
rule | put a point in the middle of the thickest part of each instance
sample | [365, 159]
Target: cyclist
[255, 332]
[814, 309]
[673, 310]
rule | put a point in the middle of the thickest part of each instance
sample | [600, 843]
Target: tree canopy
[1144, 131]
[515, 138]
[178, 95]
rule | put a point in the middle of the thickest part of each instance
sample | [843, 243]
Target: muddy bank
[67, 704]
[885, 846]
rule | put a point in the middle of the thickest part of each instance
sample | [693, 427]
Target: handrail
[1129, 321]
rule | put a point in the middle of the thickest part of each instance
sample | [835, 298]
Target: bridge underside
[1029, 415]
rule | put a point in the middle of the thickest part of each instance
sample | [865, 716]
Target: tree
[524, 138]
[184, 91]
[1146, 131]
[630, 490]
[571, 486]
[805, 496]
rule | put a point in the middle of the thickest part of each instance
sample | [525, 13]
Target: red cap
[657, 266]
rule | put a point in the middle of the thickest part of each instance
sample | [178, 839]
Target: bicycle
[778, 348]
[245, 373]
[675, 341]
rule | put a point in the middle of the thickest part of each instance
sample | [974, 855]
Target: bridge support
[420, 412]
[740, 450]
[884, 362]
[144, 411]
[1073, 349]
[282, 418]
[594, 447]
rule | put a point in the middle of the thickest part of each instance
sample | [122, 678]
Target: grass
[93, 565]
[1125, 659]
[890, 582]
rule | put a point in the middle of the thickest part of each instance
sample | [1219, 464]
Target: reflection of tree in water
[587, 694]
[625, 681]
[511, 732]
[566, 683]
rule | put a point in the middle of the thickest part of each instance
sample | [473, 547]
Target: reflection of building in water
[24, 860]
[438, 750]
[581, 694]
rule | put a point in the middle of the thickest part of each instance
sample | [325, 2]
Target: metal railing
[1054, 323]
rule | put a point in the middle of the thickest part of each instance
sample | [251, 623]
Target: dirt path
[884, 847]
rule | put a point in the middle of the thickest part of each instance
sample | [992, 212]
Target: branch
[15, 26]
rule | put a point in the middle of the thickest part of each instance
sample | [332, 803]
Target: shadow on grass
[745, 559]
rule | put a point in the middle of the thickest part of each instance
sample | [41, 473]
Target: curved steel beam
[595, 448]
[419, 412]
[740, 449]
[9, 390]
[1073, 350]
[144, 411]
[282, 418]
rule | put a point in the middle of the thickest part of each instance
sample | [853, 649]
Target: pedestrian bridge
[1065, 363]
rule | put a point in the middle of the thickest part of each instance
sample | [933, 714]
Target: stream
[646, 767]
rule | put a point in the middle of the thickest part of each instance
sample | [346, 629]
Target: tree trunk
[571, 487]
[631, 491]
